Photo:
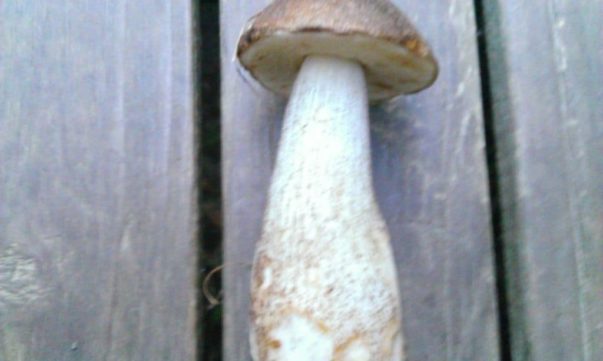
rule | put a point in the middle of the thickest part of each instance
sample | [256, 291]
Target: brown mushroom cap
[374, 33]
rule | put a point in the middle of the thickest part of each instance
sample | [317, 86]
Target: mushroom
[324, 280]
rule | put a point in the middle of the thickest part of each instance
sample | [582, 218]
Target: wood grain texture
[97, 197]
[429, 173]
[546, 70]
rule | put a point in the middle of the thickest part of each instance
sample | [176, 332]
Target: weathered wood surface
[430, 177]
[546, 70]
[97, 195]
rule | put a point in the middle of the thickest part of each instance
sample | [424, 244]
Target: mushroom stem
[324, 283]
[323, 159]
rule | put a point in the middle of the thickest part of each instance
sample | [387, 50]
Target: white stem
[324, 285]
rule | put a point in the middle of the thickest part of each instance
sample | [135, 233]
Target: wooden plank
[429, 169]
[97, 203]
[546, 70]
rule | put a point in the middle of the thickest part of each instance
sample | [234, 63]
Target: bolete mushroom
[324, 281]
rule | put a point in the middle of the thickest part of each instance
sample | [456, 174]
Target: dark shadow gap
[494, 184]
[208, 79]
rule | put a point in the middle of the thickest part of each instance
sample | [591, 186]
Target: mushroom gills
[390, 68]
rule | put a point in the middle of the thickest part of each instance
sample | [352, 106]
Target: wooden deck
[97, 181]
[546, 69]
[491, 181]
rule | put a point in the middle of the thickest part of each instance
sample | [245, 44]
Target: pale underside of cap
[374, 33]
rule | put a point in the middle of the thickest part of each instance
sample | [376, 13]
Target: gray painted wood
[430, 177]
[546, 70]
[97, 195]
